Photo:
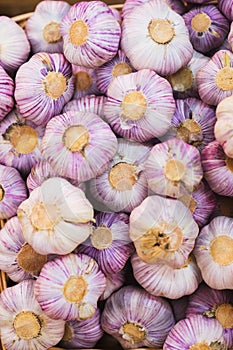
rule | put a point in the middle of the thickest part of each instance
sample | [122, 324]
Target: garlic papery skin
[207, 27]
[6, 93]
[193, 122]
[140, 105]
[56, 217]
[223, 128]
[173, 168]
[216, 304]
[89, 103]
[184, 82]
[226, 6]
[85, 81]
[155, 37]
[23, 323]
[163, 231]
[123, 186]
[165, 281]
[214, 253]
[137, 319]
[17, 258]
[20, 141]
[15, 47]
[215, 80]
[79, 145]
[113, 283]
[195, 333]
[43, 85]
[119, 65]
[69, 287]
[12, 191]
[43, 26]
[109, 243]
[91, 34]
[82, 333]
[218, 169]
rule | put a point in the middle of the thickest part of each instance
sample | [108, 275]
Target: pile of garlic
[116, 175]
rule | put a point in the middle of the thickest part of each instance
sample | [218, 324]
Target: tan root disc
[76, 138]
[221, 250]
[121, 68]
[174, 170]
[224, 79]
[134, 105]
[123, 176]
[23, 138]
[27, 325]
[161, 30]
[200, 346]
[201, 22]
[68, 334]
[44, 217]
[31, 261]
[2, 193]
[51, 32]
[101, 238]
[79, 32]
[83, 80]
[75, 289]
[224, 315]
[229, 163]
[132, 332]
[182, 80]
[190, 132]
[54, 85]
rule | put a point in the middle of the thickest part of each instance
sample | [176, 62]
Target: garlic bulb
[207, 27]
[163, 231]
[194, 333]
[218, 169]
[82, 333]
[155, 37]
[12, 191]
[79, 145]
[223, 128]
[20, 141]
[85, 81]
[17, 258]
[140, 105]
[163, 280]
[173, 168]
[91, 34]
[6, 93]
[14, 45]
[214, 253]
[109, 243]
[226, 6]
[23, 324]
[43, 26]
[215, 79]
[89, 103]
[113, 283]
[123, 186]
[56, 217]
[69, 287]
[136, 318]
[43, 85]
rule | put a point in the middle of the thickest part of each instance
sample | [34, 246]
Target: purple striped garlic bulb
[23, 323]
[137, 319]
[69, 287]
[6, 93]
[43, 26]
[14, 45]
[43, 85]
[226, 6]
[163, 231]
[85, 81]
[123, 186]
[165, 281]
[140, 105]
[109, 243]
[13, 191]
[173, 168]
[214, 253]
[20, 141]
[91, 34]
[56, 217]
[155, 37]
[89, 103]
[79, 145]
[17, 258]
[195, 333]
